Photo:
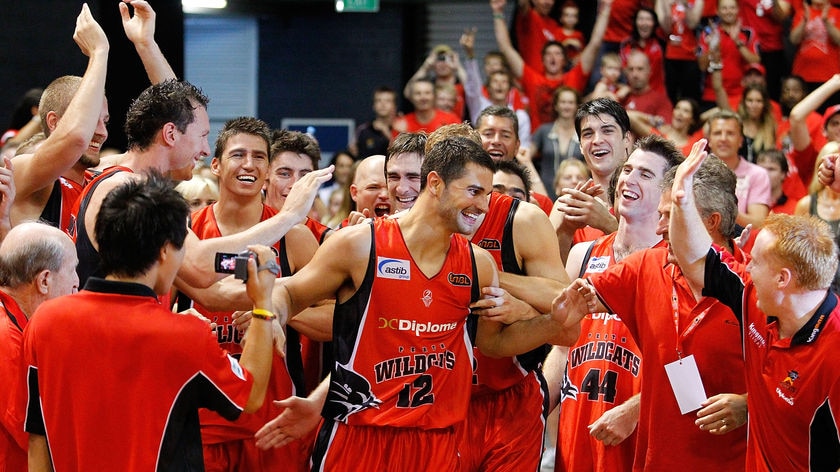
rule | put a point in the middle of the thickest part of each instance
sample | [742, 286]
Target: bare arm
[800, 137]
[197, 268]
[500, 29]
[590, 52]
[75, 128]
[554, 368]
[422, 72]
[140, 30]
[797, 31]
[258, 351]
[663, 11]
[689, 245]
[39, 454]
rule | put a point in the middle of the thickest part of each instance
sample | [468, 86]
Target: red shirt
[794, 391]
[639, 289]
[532, 32]
[603, 371]
[817, 58]
[682, 43]
[734, 64]
[656, 58]
[621, 19]
[14, 442]
[757, 15]
[653, 101]
[439, 119]
[540, 90]
[146, 373]
[400, 342]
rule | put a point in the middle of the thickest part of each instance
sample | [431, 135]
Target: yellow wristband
[261, 314]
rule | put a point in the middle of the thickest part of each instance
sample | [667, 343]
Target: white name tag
[686, 383]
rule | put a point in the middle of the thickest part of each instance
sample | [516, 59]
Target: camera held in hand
[236, 264]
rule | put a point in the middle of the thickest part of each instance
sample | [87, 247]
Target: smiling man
[402, 169]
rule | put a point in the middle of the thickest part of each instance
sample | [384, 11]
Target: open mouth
[382, 209]
[628, 195]
[246, 178]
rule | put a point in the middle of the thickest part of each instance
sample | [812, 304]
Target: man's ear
[52, 120]
[42, 282]
[434, 183]
[169, 133]
[214, 167]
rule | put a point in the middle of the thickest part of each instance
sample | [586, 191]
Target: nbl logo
[461, 280]
[490, 244]
[387, 268]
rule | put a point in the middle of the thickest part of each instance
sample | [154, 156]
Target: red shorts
[244, 456]
[504, 429]
[340, 448]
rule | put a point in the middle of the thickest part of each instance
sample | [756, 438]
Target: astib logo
[389, 268]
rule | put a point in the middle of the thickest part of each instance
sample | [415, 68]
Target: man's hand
[500, 306]
[616, 424]
[581, 207]
[260, 279]
[722, 413]
[139, 28]
[684, 180]
[303, 193]
[301, 416]
[7, 196]
[829, 172]
[468, 42]
[498, 6]
[573, 303]
[89, 35]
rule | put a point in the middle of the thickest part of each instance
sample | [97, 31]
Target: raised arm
[140, 30]
[590, 52]
[689, 245]
[799, 135]
[74, 130]
[500, 29]
[472, 86]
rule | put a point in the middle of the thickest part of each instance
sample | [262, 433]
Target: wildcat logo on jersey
[460, 280]
[427, 298]
[598, 264]
[387, 268]
[490, 244]
[349, 393]
[786, 389]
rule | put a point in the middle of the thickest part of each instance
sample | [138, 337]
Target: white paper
[686, 383]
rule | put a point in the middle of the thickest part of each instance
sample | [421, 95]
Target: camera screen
[225, 262]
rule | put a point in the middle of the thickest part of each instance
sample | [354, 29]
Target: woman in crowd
[555, 142]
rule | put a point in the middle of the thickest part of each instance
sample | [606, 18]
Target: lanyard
[676, 308]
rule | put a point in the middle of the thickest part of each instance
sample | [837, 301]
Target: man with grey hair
[37, 263]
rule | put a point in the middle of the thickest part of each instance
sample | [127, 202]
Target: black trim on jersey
[824, 447]
[34, 423]
[96, 284]
[11, 317]
[586, 257]
[475, 295]
[52, 210]
[322, 443]
[88, 255]
[347, 320]
[180, 448]
[722, 283]
[509, 262]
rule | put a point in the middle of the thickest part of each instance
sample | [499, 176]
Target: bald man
[37, 263]
[369, 190]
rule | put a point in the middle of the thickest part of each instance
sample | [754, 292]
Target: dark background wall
[313, 61]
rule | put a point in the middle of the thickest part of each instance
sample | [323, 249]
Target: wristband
[271, 266]
[261, 314]
[499, 16]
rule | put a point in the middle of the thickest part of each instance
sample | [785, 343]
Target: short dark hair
[661, 147]
[501, 112]
[603, 106]
[294, 141]
[170, 101]
[406, 143]
[136, 220]
[448, 158]
[57, 97]
[517, 169]
[548, 44]
[726, 115]
[774, 155]
[242, 125]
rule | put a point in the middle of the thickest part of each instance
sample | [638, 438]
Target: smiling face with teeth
[243, 166]
[464, 200]
[402, 173]
[287, 167]
[90, 158]
[603, 144]
[369, 190]
[638, 189]
[498, 137]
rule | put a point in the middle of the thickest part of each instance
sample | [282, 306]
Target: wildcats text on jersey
[608, 350]
[415, 364]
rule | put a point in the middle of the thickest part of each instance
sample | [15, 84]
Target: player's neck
[235, 213]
